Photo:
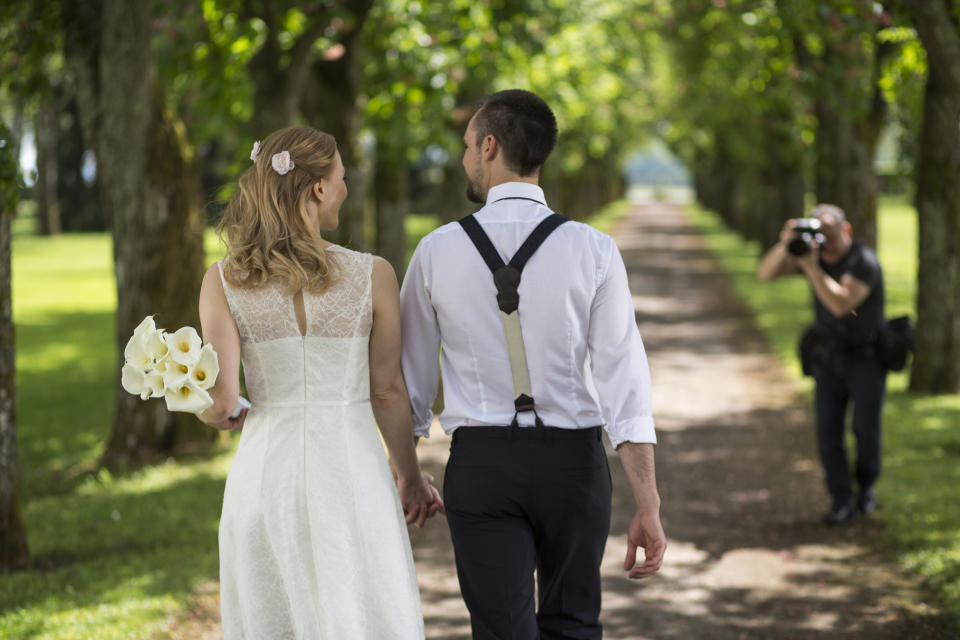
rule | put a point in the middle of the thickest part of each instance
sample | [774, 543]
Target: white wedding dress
[313, 543]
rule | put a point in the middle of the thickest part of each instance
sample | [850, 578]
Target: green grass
[918, 490]
[114, 557]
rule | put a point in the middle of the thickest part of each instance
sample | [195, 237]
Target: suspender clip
[523, 403]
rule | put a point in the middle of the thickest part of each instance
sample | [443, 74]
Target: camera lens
[800, 245]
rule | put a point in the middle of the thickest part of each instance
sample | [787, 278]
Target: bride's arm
[219, 329]
[388, 395]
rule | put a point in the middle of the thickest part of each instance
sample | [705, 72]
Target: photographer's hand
[810, 261]
[777, 261]
[786, 233]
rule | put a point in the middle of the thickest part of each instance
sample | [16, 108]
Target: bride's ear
[317, 190]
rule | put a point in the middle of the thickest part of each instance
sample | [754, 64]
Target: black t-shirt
[861, 263]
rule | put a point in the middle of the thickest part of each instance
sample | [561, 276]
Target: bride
[313, 543]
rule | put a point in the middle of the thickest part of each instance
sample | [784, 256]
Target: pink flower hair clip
[282, 162]
[255, 152]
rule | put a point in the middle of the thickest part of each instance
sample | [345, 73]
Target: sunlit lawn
[920, 487]
[114, 557]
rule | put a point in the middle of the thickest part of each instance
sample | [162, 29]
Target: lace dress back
[313, 544]
[333, 350]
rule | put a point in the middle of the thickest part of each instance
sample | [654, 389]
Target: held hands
[419, 498]
[645, 532]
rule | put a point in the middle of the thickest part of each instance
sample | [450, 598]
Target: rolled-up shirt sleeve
[421, 343]
[618, 360]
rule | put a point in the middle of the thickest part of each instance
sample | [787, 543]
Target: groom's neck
[500, 175]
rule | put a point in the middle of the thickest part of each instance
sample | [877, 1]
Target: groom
[528, 385]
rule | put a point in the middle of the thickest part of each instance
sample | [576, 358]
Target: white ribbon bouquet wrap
[175, 366]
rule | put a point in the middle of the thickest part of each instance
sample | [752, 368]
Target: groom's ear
[490, 147]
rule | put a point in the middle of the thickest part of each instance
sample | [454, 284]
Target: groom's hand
[645, 532]
[437, 504]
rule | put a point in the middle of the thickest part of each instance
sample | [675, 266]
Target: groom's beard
[473, 195]
[474, 188]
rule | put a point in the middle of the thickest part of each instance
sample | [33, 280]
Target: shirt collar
[515, 190]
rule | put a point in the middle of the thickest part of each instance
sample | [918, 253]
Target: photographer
[839, 350]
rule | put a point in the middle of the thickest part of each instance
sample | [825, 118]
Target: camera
[807, 231]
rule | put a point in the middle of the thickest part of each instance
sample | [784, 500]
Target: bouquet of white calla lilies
[177, 367]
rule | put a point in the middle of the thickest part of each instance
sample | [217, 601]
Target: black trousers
[843, 378]
[525, 499]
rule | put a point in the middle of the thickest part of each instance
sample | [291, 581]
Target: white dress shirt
[584, 353]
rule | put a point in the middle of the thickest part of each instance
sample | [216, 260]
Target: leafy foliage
[10, 179]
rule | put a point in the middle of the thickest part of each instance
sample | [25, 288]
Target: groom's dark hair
[522, 123]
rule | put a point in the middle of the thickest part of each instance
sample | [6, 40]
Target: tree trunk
[784, 199]
[936, 367]
[13, 538]
[81, 208]
[151, 193]
[392, 202]
[781, 178]
[47, 135]
[846, 145]
[333, 101]
[452, 203]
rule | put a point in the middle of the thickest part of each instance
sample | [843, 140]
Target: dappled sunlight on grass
[118, 554]
[64, 303]
[62, 273]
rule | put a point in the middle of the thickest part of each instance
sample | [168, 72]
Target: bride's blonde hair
[266, 228]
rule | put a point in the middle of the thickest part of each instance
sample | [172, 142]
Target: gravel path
[741, 488]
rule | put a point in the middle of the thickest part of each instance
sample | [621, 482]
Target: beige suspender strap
[506, 277]
[518, 355]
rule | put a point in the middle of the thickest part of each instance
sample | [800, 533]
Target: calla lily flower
[205, 372]
[136, 353]
[153, 382]
[142, 348]
[175, 375]
[160, 364]
[189, 398]
[146, 327]
[133, 381]
[155, 344]
[184, 346]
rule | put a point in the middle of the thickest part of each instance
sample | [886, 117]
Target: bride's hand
[231, 424]
[416, 497]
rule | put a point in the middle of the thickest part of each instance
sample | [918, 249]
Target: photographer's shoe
[866, 500]
[839, 513]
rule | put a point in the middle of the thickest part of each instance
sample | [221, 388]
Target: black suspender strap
[482, 242]
[489, 253]
[534, 240]
[506, 277]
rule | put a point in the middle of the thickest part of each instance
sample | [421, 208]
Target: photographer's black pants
[844, 378]
[539, 500]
